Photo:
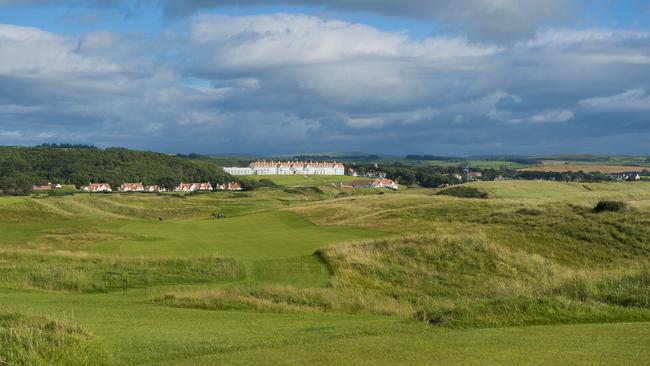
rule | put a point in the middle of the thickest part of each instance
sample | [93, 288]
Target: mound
[443, 280]
[37, 340]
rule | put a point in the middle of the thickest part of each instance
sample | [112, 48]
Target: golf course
[531, 273]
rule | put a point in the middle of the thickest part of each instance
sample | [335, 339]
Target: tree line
[438, 176]
[22, 167]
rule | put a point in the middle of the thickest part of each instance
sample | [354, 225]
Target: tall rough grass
[446, 280]
[86, 273]
[27, 339]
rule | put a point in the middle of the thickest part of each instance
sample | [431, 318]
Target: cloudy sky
[455, 77]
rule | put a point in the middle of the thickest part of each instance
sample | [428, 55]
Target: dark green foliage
[304, 190]
[251, 184]
[609, 206]
[20, 167]
[464, 192]
[529, 212]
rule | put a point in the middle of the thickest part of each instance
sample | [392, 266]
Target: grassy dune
[332, 276]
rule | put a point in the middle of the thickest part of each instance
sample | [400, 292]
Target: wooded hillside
[20, 167]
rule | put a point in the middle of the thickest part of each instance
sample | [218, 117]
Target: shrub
[250, 184]
[464, 192]
[609, 206]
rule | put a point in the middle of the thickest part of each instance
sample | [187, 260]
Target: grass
[269, 235]
[30, 339]
[305, 180]
[176, 336]
[588, 168]
[529, 275]
[450, 281]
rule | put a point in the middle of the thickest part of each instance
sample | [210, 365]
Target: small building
[154, 189]
[41, 188]
[375, 183]
[633, 176]
[236, 170]
[232, 186]
[457, 177]
[499, 178]
[288, 168]
[475, 175]
[97, 187]
[50, 186]
[131, 187]
[193, 187]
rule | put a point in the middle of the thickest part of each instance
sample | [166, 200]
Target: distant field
[478, 164]
[605, 169]
[304, 180]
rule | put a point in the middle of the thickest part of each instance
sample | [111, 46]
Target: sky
[444, 77]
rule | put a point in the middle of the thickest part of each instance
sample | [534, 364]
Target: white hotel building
[288, 168]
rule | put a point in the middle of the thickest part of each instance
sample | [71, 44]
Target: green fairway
[270, 235]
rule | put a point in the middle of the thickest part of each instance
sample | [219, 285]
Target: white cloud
[381, 119]
[553, 116]
[631, 100]
[30, 51]
[292, 40]
[11, 134]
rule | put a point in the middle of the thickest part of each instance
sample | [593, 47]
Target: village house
[475, 175]
[232, 186]
[375, 183]
[288, 168]
[626, 177]
[131, 187]
[97, 187]
[192, 187]
[154, 189]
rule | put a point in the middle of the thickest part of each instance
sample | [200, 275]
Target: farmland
[310, 273]
[600, 168]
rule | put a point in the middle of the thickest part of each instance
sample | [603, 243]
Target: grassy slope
[139, 332]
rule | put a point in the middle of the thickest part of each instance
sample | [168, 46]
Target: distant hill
[21, 167]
